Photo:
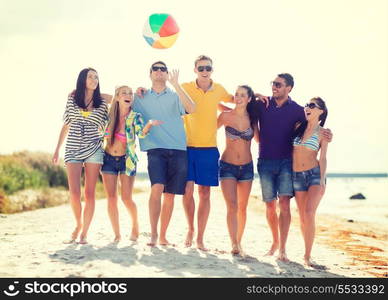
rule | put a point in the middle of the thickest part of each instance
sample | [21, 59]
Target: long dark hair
[79, 94]
[299, 132]
[251, 107]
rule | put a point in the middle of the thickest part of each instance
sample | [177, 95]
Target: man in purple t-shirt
[276, 124]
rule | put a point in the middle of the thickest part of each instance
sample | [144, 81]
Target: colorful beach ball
[161, 31]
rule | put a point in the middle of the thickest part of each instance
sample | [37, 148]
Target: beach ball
[160, 31]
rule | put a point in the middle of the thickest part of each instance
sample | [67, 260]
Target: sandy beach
[31, 246]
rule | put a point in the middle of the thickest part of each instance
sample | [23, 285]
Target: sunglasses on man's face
[277, 84]
[203, 68]
[155, 68]
[312, 105]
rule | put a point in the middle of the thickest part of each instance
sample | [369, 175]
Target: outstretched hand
[173, 77]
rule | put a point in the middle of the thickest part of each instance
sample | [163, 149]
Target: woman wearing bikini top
[236, 166]
[120, 157]
[309, 172]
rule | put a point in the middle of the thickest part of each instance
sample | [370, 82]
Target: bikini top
[312, 142]
[118, 135]
[235, 134]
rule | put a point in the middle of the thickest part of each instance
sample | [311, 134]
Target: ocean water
[336, 200]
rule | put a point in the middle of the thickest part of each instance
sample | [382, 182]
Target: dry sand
[31, 246]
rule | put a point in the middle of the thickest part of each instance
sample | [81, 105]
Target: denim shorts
[303, 180]
[203, 165]
[96, 158]
[275, 178]
[168, 167]
[237, 172]
[115, 165]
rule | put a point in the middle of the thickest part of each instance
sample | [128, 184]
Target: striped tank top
[85, 132]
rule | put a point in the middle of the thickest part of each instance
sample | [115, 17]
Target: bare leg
[243, 192]
[189, 206]
[284, 225]
[301, 199]
[73, 176]
[229, 190]
[203, 214]
[92, 171]
[126, 196]
[110, 185]
[273, 222]
[165, 217]
[314, 195]
[154, 211]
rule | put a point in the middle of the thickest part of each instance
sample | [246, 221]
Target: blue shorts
[96, 158]
[203, 165]
[115, 165]
[303, 180]
[168, 167]
[275, 178]
[236, 172]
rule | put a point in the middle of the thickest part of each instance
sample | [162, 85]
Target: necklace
[87, 105]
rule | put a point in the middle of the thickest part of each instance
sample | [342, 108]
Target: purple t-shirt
[276, 128]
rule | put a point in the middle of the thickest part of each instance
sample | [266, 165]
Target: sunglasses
[277, 84]
[155, 68]
[312, 105]
[203, 68]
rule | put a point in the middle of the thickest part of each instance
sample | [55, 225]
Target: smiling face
[204, 69]
[159, 73]
[91, 80]
[280, 89]
[312, 110]
[241, 97]
[124, 96]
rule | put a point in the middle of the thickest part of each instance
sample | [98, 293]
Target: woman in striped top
[85, 118]
[309, 172]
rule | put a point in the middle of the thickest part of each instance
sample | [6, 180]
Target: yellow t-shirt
[201, 126]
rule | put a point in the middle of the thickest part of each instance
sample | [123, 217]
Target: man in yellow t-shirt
[202, 152]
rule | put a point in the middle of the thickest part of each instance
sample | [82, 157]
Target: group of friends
[178, 130]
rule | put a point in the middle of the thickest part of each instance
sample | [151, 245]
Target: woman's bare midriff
[304, 159]
[237, 152]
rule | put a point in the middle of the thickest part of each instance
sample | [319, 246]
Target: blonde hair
[113, 115]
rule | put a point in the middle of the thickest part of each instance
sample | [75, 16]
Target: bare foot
[235, 249]
[165, 242]
[117, 239]
[82, 240]
[152, 242]
[201, 246]
[283, 257]
[74, 235]
[311, 264]
[274, 248]
[134, 235]
[189, 238]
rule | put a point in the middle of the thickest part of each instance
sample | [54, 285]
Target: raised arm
[108, 98]
[220, 120]
[187, 103]
[62, 136]
[223, 108]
